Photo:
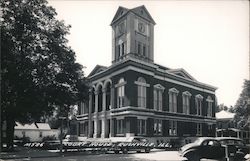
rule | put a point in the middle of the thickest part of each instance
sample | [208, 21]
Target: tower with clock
[132, 34]
[135, 96]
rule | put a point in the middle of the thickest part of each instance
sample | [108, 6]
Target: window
[108, 96]
[186, 102]
[198, 104]
[199, 129]
[172, 128]
[121, 48]
[157, 127]
[209, 106]
[99, 94]
[141, 124]
[144, 50]
[158, 91]
[139, 48]
[23, 133]
[93, 100]
[40, 134]
[119, 126]
[81, 128]
[141, 92]
[173, 93]
[120, 93]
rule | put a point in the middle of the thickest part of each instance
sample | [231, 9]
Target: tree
[38, 69]
[222, 107]
[242, 107]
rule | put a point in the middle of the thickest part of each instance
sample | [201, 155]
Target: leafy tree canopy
[242, 107]
[38, 69]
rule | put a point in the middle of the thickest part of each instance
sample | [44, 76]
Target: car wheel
[193, 157]
[116, 151]
[125, 151]
[147, 150]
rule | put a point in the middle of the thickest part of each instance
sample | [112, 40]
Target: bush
[49, 138]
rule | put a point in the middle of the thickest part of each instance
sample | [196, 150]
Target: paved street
[152, 156]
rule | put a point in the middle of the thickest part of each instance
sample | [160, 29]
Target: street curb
[21, 157]
[49, 156]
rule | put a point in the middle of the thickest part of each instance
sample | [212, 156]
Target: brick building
[135, 96]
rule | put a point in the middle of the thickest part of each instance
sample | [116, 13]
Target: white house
[35, 131]
[226, 127]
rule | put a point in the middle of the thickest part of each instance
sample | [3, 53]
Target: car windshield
[198, 141]
[139, 140]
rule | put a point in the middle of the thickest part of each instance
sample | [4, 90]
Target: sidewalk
[38, 153]
[28, 153]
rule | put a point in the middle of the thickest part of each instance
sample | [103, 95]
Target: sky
[209, 39]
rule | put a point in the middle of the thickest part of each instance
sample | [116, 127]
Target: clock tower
[132, 34]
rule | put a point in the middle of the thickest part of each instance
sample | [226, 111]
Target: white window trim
[187, 95]
[157, 104]
[158, 121]
[210, 108]
[119, 85]
[121, 130]
[174, 92]
[199, 108]
[159, 87]
[141, 130]
[142, 84]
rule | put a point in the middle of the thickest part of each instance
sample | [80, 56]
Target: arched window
[120, 93]
[198, 104]
[186, 102]
[158, 91]
[141, 92]
[209, 106]
[93, 100]
[108, 96]
[173, 93]
[99, 92]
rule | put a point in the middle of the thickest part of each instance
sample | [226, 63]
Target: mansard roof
[97, 69]
[140, 11]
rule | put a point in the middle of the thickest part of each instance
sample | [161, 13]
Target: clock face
[121, 28]
[141, 27]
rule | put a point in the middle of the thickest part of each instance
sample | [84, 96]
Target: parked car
[203, 148]
[135, 143]
[236, 147]
[51, 144]
[70, 138]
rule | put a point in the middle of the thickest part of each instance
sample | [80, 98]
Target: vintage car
[136, 143]
[203, 148]
[51, 145]
[70, 138]
[235, 147]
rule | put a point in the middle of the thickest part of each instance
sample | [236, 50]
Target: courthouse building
[137, 97]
